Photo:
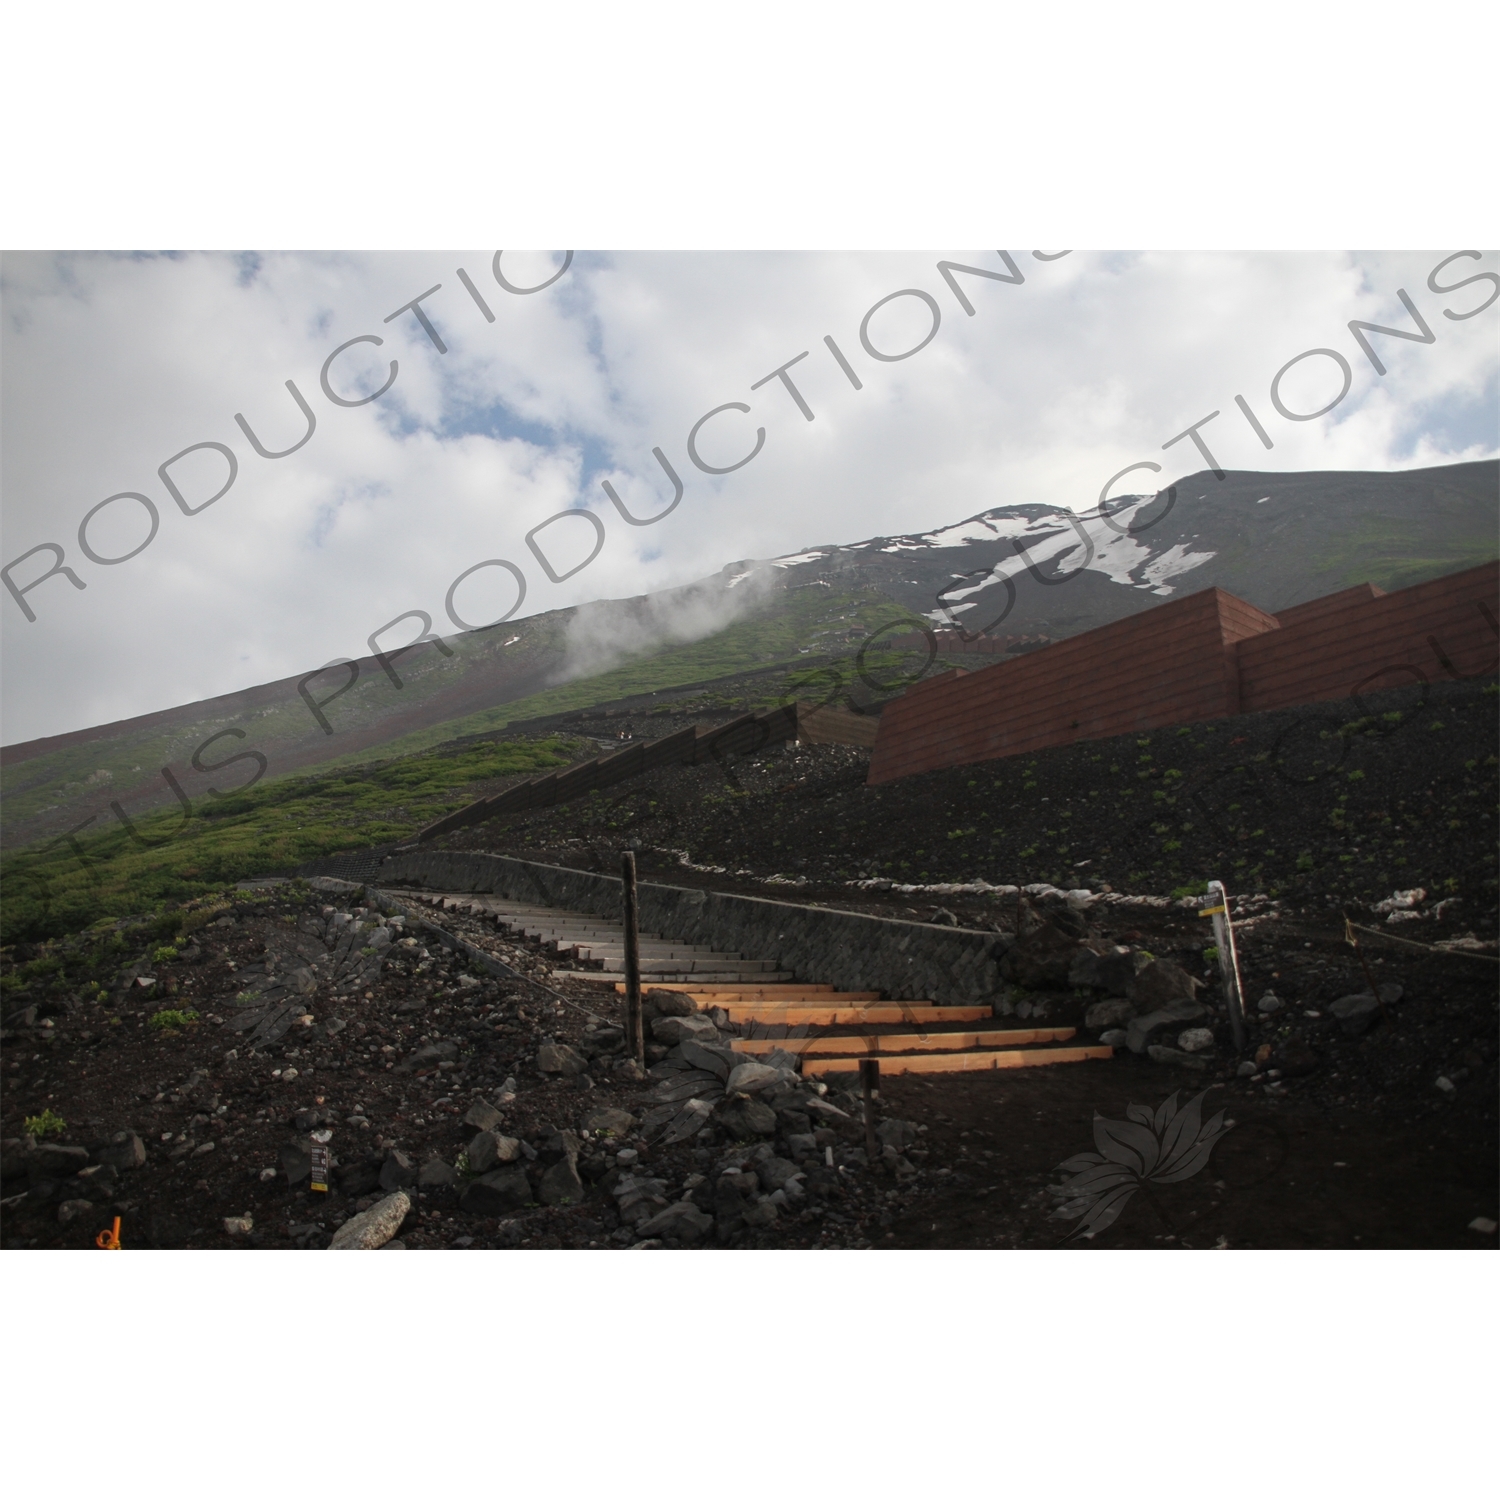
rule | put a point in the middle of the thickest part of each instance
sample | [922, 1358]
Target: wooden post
[635, 1038]
[1353, 942]
[1229, 962]
[869, 1077]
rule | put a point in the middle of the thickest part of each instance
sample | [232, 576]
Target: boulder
[669, 1002]
[1042, 959]
[1160, 983]
[1111, 970]
[639, 1198]
[603, 1039]
[821, 1109]
[435, 1172]
[687, 1122]
[428, 1057]
[1172, 1055]
[559, 1146]
[685, 1221]
[488, 1150]
[483, 1116]
[1357, 1013]
[607, 1122]
[99, 1182]
[558, 1057]
[732, 1193]
[74, 1208]
[371, 1229]
[497, 1192]
[1196, 1039]
[57, 1161]
[1140, 1030]
[746, 1117]
[759, 1215]
[124, 1152]
[775, 1172]
[397, 1171]
[670, 1030]
[1107, 1013]
[560, 1183]
[752, 1077]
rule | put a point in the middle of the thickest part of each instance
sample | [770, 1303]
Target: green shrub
[164, 955]
[169, 1020]
[45, 1124]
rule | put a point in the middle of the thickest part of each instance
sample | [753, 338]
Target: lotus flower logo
[1168, 1146]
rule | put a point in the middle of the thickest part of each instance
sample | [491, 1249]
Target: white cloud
[111, 364]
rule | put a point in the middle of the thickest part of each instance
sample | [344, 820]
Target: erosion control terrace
[1207, 656]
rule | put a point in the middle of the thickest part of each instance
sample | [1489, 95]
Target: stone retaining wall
[905, 960]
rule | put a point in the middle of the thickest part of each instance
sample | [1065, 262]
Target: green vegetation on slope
[763, 640]
[133, 755]
[1395, 554]
[270, 829]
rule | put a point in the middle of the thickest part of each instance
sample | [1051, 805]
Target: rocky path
[458, 1089]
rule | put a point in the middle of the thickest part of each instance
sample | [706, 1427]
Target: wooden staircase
[830, 1030]
[833, 1031]
[596, 945]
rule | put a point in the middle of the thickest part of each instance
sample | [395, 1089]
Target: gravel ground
[1378, 1132]
[403, 1050]
[1339, 803]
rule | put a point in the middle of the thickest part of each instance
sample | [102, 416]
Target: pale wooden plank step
[961, 1062]
[857, 1015]
[879, 1046]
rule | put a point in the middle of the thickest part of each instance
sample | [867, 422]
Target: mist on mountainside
[606, 633]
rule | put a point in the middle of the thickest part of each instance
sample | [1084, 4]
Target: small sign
[320, 1156]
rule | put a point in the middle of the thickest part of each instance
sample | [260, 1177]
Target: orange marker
[109, 1239]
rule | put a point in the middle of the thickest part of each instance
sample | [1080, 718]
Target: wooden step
[750, 991]
[846, 1000]
[886, 1042]
[724, 979]
[854, 1015]
[961, 1062]
[709, 967]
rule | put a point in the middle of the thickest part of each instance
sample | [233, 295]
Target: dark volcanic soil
[1387, 1138]
[1338, 802]
[1353, 1145]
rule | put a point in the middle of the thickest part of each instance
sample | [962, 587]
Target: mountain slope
[1274, 539]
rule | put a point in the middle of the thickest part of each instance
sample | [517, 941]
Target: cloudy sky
[113, 364]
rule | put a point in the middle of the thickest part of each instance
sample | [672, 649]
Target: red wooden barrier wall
[1202, 657]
